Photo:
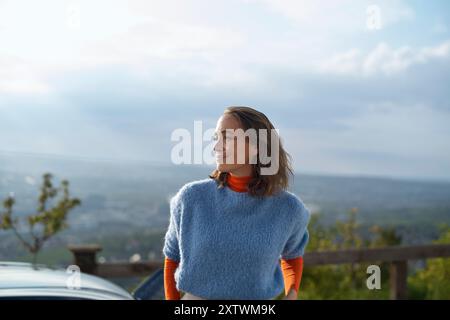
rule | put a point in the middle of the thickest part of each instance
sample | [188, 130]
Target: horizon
[123, 161]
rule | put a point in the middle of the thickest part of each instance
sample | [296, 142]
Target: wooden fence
[398, 257]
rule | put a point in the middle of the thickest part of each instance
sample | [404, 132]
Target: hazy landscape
[125, 205]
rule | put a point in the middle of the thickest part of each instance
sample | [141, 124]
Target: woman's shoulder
[293, 203]
[196, 188]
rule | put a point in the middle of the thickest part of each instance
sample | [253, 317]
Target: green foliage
[345, 281]
[433, 282]
[46, 222]
[386, 236]
[348, 281]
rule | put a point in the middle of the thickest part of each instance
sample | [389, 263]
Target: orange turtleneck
[238, 184]
[292, 268]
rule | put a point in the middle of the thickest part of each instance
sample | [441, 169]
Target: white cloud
[153, 38]
[383, 59]
[345, 14]
[342, 63]
[276, 55]
[184, 39]
[18, 76]
[159, 39]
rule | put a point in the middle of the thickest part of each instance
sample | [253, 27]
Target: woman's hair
[260, 185]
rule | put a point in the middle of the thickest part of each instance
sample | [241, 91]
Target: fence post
[84, 256]
[398, 280]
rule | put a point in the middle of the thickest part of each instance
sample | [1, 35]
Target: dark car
[24, 281]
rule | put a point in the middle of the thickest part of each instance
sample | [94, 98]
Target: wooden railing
[85, 258]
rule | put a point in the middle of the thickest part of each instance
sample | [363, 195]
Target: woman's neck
[238, 183]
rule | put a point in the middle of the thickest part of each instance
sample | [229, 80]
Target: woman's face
[226, 159]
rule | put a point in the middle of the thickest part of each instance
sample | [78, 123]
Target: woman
[238, 234]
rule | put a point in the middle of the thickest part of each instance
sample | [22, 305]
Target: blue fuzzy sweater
[228, 244]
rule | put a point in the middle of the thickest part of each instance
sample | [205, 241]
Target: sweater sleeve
[292, 273]
[171, 240]
[298, 239]
[170, 290]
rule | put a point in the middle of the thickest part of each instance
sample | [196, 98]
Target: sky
[355, 87]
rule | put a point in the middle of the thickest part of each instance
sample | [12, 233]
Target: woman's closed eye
[215, 137]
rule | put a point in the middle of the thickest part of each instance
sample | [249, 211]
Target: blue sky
[113, 79]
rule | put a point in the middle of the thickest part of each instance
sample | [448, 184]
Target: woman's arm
[170, 289]
[171, 249]
[292, 274]
[292, 254]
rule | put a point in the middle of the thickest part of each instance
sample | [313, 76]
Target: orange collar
[238, 184]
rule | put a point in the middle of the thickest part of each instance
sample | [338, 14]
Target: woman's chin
[220, 167]
[223, 167]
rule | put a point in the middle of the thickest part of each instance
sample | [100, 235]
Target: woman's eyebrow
[228, 131]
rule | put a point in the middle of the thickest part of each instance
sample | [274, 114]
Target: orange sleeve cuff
[170, 289]
[292, 273]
